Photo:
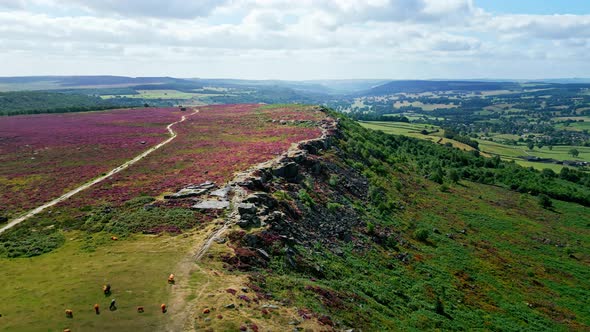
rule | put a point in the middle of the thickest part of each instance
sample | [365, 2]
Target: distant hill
[60, 82]
[429, 86]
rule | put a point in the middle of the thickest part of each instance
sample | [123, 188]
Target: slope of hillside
[429, 86]
[355, 229]
[369, 231]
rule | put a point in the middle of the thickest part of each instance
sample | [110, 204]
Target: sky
[297, 39]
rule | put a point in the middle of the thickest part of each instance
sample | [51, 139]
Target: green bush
[305, 198]
[333, 207]
[421, 234]
[143, 220]
[281, 195]
[370, 228]
[29, 243]
[544, 201]
[333, 180]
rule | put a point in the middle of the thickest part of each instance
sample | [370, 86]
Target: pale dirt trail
[182, 308]
[89, 184]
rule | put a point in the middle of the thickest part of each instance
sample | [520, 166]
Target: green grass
[414, 130]
[38, 290]
[475, 256]
[498, 275]
[575, 126]
[424, 107]
[399, 128]
[512, 152]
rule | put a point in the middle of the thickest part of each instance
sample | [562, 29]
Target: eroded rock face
[294, 200]
[247, 209]
[261, 199]
[288, 170]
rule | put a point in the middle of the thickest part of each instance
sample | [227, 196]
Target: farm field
[575, 126]
[43, 156]
[423, 106]
[511, 152]
[164, 94]
[488, 148]
[414, 130]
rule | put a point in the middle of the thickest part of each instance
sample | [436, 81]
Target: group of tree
[35, 102]
[442, 163]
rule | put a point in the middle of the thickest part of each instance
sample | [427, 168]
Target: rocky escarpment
[303, 197]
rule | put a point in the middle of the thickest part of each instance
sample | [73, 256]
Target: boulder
[221, 193]
[251, 240]
[192, 190]
[211, 205]
[246, 209]
[186, 192]
[3, 219]
[297, 156]
[253, 183]
[263, 254]
[288, 170]
[261, 198]
[248, 220]
[220, 240]
[275, 218]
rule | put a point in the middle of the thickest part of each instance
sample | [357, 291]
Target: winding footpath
[89, 184]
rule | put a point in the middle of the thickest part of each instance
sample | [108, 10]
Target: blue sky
[544, 7]
[297, 39]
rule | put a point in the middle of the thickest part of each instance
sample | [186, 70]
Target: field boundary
[90, 183]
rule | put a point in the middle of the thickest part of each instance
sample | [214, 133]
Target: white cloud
[543, 26]
[148, 8]
[285, 38]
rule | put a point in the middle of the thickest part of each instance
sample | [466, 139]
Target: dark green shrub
[305, 198]
[544, 201]
[421, 234]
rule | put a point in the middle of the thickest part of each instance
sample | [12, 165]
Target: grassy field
[504, 230]
[38, 290]
[575, 126]
[165, 94]
[511, 152]
[424, 107]
[414, 130]
[414, 116]
[507, 152]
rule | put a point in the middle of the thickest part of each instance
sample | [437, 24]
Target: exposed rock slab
[221, 193]
[192, 190]
[211, 205]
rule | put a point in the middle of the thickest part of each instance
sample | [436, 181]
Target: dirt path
[89, 184]
[182, 307]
